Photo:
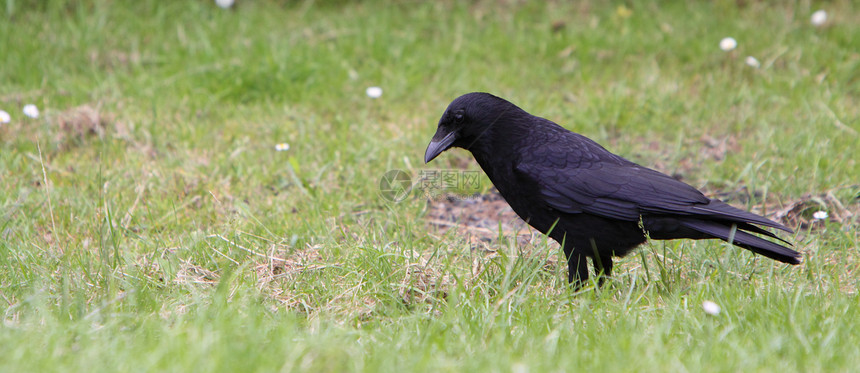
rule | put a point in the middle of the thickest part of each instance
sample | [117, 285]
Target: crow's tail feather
[755, 229]
[746, 240]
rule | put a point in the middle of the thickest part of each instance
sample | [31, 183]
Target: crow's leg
[602, 262]
[602, 267]
[577, 268]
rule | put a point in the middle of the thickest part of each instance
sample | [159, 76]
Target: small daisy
[374, 92]
[820, 215]
[224, 3]
[818, 18]
[728, 44]
[282, 147]
[753, 62]
[711, 308]
[31, 111]
[5, 117]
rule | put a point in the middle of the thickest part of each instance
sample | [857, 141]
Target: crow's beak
[436, 147]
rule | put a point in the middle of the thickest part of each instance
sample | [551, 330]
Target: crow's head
[467, 120]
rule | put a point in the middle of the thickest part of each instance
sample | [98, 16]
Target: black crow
[594, 203]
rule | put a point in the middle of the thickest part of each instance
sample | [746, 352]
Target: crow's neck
[496, 150]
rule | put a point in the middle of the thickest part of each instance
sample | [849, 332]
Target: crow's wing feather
[612, 190]
[743, 239]
[615, 188]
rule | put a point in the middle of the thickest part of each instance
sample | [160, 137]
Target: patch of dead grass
[278, 267]
[190, 273]
[482, 218]
[79, 124]
[799, 213]
[114, 59]
[424, 281]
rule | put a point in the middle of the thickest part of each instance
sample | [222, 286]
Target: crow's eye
[458, 117]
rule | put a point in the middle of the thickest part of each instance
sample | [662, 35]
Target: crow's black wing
[611, 190]
[595, 181]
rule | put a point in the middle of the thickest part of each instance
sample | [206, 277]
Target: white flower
[519, 368]
[711, 308]
[31, 111]
[374, 92]
[728, 44]
[751, 61]
[282, 147]
[5, 117]
[818, 18]
[224, 3]
[820, 215]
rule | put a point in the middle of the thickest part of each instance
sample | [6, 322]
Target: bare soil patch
[483, 218]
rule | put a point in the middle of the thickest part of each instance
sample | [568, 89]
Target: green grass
[172, 236]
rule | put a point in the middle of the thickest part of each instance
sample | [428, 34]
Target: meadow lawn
[201, 188]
